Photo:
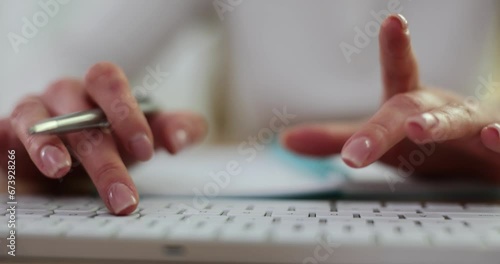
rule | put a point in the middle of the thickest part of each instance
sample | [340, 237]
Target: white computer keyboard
[263, 220]
[378, 224]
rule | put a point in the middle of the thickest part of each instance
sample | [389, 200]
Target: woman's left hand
[417, 128]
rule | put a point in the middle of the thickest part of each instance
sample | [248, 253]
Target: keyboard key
[246, 212]
[35, 213]
[72, 215]
[354, 205]
[423, 216]
[293, 214]
[89, 231]
[445, 239]
[245, 232]
[297, 233]
[403, 238]
[403, 205]
[143, 231]
[77, 209]
[199, 232]
[379, 215]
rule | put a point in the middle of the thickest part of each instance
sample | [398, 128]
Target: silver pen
[94, 118]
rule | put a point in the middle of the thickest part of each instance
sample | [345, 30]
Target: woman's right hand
[102, 154]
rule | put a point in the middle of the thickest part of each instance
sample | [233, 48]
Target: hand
[103, 154]
[459, 138]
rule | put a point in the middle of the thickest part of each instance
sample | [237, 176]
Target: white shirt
[273, 54]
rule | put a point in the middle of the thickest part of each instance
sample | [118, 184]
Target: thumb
[318, 140]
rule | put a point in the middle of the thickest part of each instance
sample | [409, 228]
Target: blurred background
[235, 61]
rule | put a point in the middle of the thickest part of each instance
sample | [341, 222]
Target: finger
[107, 85]
[398, 63]
[386, 127]
[47, 152]
[490, 136]
[448, 122]
[96, 150]
[177, 131]
[318, 140]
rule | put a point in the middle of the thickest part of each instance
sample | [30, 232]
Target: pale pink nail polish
[422, 128]
[494, 132]
[142, 147]
[120, 197]
[180, 135]
[403, 21]
[180, 139]
[357, 151]
[54, 160]
[426, 121]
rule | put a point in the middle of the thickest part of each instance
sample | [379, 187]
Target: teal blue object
[322, 168]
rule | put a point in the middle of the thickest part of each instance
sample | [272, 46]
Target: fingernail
[121, 197]
[402, 21]
[141, 146]
[357, 151]
[426, 121]
[494, 130]
[54, 160]
[180, 139]
[180, 136]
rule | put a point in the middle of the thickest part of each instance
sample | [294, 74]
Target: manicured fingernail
[54, 161]
[121, 197]
[357, 151]
[181, 135]
[494, 131]
[402, 21]
[426, 121]
[142, 147]
[180, 139]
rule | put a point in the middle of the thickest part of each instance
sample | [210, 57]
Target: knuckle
[406, 101]
[31, 144]
[378, 128]
[26, 105]
[63, 86]
[106, 171]
[102, 68]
